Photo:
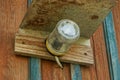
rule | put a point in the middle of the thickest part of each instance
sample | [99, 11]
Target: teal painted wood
[34, 69]
[76, 72]
[29, 2]
[112, 51]
[34, 65]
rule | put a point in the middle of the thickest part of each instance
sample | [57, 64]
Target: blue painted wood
[34, 65]
[110, 39]
[29, 2]
[76, 72]
[34, 69]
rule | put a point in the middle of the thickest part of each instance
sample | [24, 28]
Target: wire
[58, 61]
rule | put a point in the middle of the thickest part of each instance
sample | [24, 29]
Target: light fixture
[47, 24]
[59, 41]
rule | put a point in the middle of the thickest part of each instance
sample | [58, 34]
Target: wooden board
[44, 15]
[35, 46]
[11, 14]
[100, 54]
[112, 49]
[116, 17]
[54, 72]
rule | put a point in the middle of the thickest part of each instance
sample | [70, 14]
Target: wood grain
[54, 72]
[100, 68]
[35, 46]
[101, 61]
[11, 67]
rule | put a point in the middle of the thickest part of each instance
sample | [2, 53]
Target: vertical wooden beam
[34, 69]
[114, 65]
[12, 67]
[116, 16]
[100, 55]
[34, 65]
[29, 2]
[76, 72]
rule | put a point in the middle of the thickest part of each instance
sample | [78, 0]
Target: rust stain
[38, 20]
[93, 17]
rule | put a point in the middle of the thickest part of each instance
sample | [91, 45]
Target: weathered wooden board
[54, 72]
[35, 46]
[35, 69]
[11, 14]
[112, 49]
[116, 16]
[44, 14]
[100, 67]
[76, 72]
[100, 55]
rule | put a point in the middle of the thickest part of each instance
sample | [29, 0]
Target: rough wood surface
[11, 67]
[51, 71]
[35, 46]
[43, 15]
[100, 67]
[100, 54]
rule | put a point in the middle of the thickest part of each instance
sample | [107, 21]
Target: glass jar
[65, 33]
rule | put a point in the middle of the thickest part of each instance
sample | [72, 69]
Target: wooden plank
[112, 49]
[28, 2]
[34, 65]
[76, 72]
[100, 55]
[11, 67]
[85, 73]
[43, 15]
[51, 71]
[35, 69]
[100, 67]
[35, 46]
[116, 16]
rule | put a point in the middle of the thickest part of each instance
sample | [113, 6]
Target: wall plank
[11, 67]
[101, 61]
[112, 49]
[76, 72]
[51, 71]
[116, 17]
[35, 69]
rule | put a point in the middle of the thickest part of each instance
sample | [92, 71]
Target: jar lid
[68, 29]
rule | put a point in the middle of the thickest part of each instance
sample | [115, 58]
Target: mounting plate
[42, 17]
